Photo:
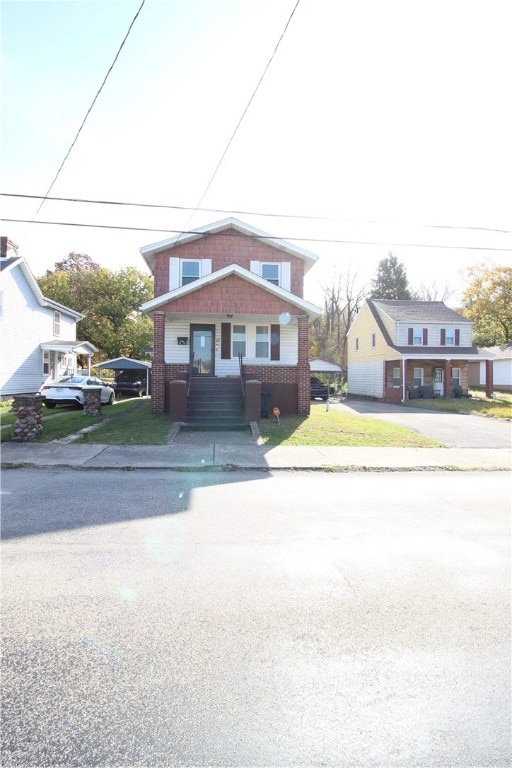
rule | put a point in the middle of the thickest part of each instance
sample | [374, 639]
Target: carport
[324, 366]
[126, 364]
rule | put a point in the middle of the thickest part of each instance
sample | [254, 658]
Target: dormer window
[450, 337]
[56, 323]
[270, 272]
[417, 337]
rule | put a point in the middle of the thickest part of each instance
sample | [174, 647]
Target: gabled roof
[220, 274]
[124, 364]
[419, 311]
[503, 352]
[10, 263]
[148, 251]
[58, 345]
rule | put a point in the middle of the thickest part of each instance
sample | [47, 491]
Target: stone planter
[92, 401]
[28, 425]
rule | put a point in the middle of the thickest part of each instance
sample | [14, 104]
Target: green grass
[498, 407]
[135, 425]
[324, 427]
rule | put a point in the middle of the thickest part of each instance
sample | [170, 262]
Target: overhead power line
[262, 237]
[304, 217]
[269, 62]
[89, 110]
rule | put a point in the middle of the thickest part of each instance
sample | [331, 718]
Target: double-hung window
[190, 271]
[455, 377]
[239, 341]
[270, 272]
[450, 337]
[262, 341]
[396, 377]
[418, 377]
[417, 336]
[46, 363]
[56, 323]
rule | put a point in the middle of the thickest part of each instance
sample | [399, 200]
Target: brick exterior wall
[303, 371]
[225, 249]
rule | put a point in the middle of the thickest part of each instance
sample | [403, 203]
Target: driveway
[454, 430]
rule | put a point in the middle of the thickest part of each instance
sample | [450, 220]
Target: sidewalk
[232, 450]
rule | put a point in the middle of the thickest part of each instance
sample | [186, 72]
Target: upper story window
[450, 337]
[190, 271]
[417, 336]
[374, 339]
[270, 272]
[357, 343]
[56, 323]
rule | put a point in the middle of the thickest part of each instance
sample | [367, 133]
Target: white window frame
[420, 377]
[187, 279]
[47, 362]
[456, 379]
[396, 377]
[56, 322]
[275, 265]
[256, 342]
[417, 337]
[449, 337]
[238, 341]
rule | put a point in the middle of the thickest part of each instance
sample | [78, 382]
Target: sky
[378, 126]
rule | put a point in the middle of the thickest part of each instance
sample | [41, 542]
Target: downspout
[403, 380]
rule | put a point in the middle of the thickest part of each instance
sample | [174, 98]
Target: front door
[437, 381]
[202, 350]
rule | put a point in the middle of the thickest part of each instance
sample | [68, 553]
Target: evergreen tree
[391, 280]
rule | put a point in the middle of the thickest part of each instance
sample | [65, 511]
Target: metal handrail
[240, 366]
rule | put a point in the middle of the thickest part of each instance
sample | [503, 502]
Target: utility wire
[89, 111]
[180, 232]
[269, 62]
[250, 213]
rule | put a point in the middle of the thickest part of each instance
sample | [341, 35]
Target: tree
[391, 280]
[110, 302]
[487, 301]
[328, 333]
[74, 262]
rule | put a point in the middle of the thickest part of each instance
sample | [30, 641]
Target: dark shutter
[457, 337]
[425, 337]
[443, 337]
[225, 341]
[275, 342]
[410, 336]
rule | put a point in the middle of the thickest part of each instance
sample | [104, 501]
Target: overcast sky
[380, 118]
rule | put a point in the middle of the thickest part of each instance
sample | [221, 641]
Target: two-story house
[37, 336]
[397, 349]
[228, 304]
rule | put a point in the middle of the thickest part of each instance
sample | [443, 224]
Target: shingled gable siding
[225, 250]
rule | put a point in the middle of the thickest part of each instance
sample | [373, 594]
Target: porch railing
[241, 369]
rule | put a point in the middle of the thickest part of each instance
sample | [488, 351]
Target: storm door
[202, 350]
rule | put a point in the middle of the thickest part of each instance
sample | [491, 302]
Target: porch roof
[442, 353]
[220, 274]
[80, 347]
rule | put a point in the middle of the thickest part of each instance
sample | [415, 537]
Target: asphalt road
[454, 430]
[245, 619]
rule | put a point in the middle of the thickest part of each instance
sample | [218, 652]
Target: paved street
[156, 618]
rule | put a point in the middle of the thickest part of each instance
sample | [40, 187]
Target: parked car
[131, 382]
[69, 391]
[318, 389]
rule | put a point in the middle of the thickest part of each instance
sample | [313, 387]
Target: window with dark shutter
[275, 342]
[225, 341]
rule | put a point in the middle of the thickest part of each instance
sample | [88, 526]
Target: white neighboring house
[502, 365]
[37, 336]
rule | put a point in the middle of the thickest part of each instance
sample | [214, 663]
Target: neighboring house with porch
[502, 368]
[38, 336]
[403, 349]
[228, 306]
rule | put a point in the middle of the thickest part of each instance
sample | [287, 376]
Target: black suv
[318, 389]
[131, 382]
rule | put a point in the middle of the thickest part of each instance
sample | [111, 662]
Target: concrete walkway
[240, 450]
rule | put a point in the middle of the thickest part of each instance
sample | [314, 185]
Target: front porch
[407, 378]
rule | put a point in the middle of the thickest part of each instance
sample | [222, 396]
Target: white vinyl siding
[366, 378]
[25, 327]
[179, 353]
[283, 271]
[179, 267]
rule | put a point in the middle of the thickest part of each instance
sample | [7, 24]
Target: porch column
[158, 371]
[489, 384]
[303, 393]
[404, 380]
[447, 378]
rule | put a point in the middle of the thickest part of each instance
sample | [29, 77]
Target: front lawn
[323, 427]
[498, 407]
[134, 425]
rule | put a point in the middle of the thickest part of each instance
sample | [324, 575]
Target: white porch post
[404, 398]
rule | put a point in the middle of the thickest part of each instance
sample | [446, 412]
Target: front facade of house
[399, 349]
[229, 301]
[38, 336]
